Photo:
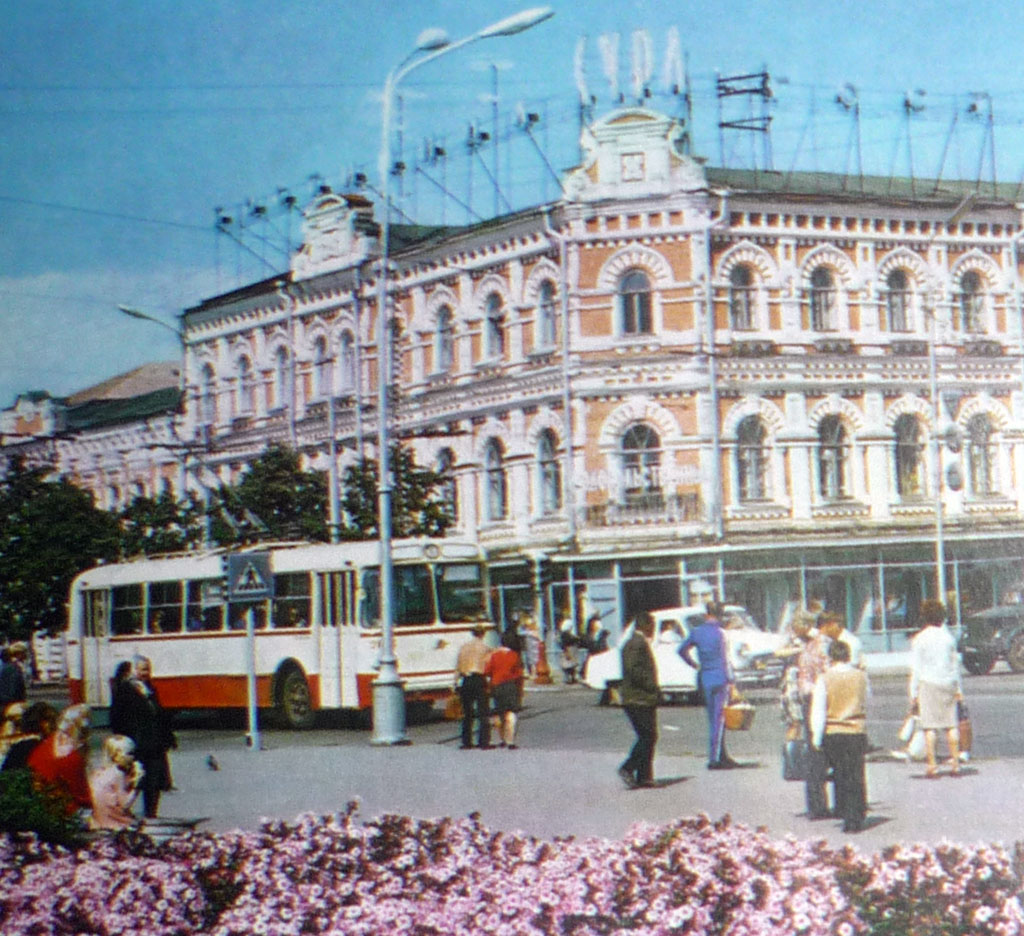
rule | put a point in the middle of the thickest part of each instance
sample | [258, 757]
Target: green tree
[417, 507]
[50, 530]
[161, 525]
[274, 499]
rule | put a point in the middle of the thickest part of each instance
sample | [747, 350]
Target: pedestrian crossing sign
[249, 577]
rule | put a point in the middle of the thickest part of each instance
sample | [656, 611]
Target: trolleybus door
[95, 613]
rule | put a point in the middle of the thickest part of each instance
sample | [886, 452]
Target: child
[114, 787]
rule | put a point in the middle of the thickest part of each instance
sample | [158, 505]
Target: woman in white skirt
[935, 687]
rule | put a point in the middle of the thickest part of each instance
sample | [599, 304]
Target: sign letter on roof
[249, 577]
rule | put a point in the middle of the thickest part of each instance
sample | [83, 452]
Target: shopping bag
[910, 725]
[453, 708]
[966, 731]
[794, 759]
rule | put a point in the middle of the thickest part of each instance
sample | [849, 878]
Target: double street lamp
[388, 693]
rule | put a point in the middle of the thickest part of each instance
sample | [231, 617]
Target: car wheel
[294, 703]
[1015, 653]
[980, 664]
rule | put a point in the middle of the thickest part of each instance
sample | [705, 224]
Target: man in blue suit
[714, 678]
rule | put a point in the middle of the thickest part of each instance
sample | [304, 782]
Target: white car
[752, 653]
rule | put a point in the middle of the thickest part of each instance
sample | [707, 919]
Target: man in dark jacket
[141, 717]
[640, 699]
[13, 686]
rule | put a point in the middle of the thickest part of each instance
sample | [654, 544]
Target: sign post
[250, 580]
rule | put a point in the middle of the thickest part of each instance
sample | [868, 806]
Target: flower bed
[396, 875]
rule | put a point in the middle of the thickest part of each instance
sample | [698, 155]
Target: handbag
[794, 759]
[453, 707]
[910, 725]
[964, 725]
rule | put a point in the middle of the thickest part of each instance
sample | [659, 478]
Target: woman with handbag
[935, 686]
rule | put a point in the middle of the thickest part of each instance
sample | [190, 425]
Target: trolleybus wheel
[294, 704]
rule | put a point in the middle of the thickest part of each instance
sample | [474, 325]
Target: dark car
[993, 634]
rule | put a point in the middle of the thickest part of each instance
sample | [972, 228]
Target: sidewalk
[548, 794]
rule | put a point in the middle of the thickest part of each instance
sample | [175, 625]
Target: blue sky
[127, 124]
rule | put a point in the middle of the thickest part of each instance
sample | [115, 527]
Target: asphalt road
[562, 781]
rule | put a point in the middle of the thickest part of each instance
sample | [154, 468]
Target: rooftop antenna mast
[849, 101]
[945, 147]
[913, 103]
[981, 108]
[752, 86]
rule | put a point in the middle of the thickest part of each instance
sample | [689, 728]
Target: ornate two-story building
[781, 385]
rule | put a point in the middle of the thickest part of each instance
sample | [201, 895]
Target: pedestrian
[13, 684]
[114, 786]
[714, 677]
[935, 687]
[811, 662]
[530, 641]
[838, 726]
[470, 666]
[37, 722]
[60, 759]
[595, 640]
[568, 643]
[119, 684]
[10, 727]
[639, 692]
[504, 672]
[833, 626]
[144, 720]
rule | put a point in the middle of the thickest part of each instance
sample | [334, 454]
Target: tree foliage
[274, 499]
[50, 530]
[161, 525]
[417, 508]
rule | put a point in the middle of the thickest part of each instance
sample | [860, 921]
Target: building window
[547, 319]
[897, 301]
[448, 488]
[321, 369]
[824, 298]
[640, 460]
[282, 378]
[246, 388]
[444, 341]
[496, 501]
[971, 303]
[549, 474]
[909, 457]
[741, 298]
[208, 395]
[832, 456]
[981, 457]
[751, 459]
[635, 303]
[347, 353]
[494, 328]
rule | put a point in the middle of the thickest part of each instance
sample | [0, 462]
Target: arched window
[981, 457]
[246, 388]
[741, 298]
[321, 369]
[824, 300]
[640, 464]
[972, 302]
[113, 497]
[832, 456]
[549, 474]
[635, 303]
[347, 353]
[448, 489]
[897, 301]
[751, 459]
[909, 456]
[496, 500]
[494, 328]
[208, 395]
[444, 341]
[282, 379]
[547, 317]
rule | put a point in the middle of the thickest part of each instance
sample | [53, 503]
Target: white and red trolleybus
[318, 639]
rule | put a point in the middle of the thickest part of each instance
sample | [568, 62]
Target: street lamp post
[388, 694]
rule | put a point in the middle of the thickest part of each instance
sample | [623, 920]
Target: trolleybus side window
[205, 606]
[291, 600]
[126, 614]
[163, 612]
[97, 607]
[460, 592]
[413, 602]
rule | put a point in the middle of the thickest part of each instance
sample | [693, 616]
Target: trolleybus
[317, 640]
